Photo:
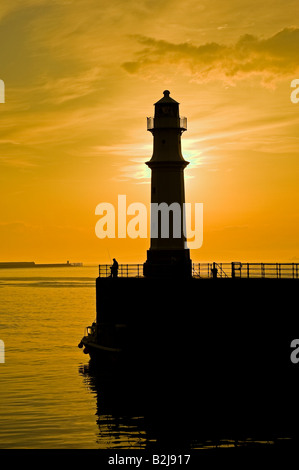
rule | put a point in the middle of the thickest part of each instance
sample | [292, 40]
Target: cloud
[68, 88]
[270, 59]
[135, 170]
[22, 163]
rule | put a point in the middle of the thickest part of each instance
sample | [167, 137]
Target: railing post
[233, 270]
[293, 270]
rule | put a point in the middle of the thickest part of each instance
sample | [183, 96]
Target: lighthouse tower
[168, 254]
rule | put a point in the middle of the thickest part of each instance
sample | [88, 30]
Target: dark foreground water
[52, 398]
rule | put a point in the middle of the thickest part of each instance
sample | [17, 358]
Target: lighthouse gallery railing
[224, 270]
[151, 123]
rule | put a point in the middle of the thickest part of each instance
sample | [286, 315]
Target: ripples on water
[43, 402]
[52, 397]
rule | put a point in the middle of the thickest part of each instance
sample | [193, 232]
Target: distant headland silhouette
[32, 264]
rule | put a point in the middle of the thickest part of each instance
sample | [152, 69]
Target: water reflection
[133, 412]
[143, 413]
[119, 411]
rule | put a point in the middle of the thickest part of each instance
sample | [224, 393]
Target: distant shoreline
[32, 264]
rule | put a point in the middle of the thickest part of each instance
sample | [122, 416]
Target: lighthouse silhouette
[168, 254]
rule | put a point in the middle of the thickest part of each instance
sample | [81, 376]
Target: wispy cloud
[270, 59]
[17, 162]
[67, 88]
[136, 170]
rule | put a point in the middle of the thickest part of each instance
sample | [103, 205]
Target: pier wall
[224, 341]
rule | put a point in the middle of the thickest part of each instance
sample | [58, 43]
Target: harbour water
[44, 403]
[50, 395]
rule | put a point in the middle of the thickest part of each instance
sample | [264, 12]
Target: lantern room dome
[166, 99]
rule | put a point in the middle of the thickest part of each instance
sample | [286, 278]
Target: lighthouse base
[168, 263]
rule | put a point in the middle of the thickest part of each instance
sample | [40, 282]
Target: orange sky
[82, 76]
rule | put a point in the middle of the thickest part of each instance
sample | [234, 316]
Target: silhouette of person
[214, 271]
[114, 268]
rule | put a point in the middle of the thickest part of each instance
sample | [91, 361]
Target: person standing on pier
[114, 268]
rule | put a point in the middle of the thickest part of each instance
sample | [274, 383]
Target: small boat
[95, 349]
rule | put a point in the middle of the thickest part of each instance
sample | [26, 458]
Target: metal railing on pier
[124, 270]
[232, 270]
[247, 270]
[204, 270]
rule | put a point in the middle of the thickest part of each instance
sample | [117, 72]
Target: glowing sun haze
[80, 79]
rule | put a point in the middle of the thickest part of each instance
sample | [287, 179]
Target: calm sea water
[45, 401]
[50, 396]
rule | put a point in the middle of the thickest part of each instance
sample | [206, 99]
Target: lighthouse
[168, 254]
